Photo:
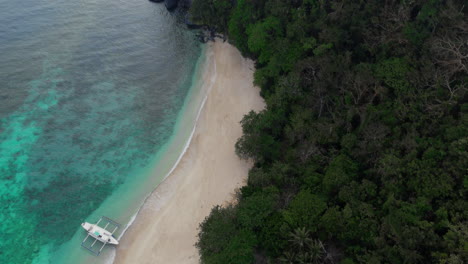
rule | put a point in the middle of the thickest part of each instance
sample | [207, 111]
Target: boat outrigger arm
[101, 234]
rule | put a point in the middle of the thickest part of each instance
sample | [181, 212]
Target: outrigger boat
[101, 234]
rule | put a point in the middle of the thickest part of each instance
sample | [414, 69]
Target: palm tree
[316, 251]
[307, 250]
[300, 237]
[288, 257]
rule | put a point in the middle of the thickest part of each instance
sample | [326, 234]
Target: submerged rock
[171, 4]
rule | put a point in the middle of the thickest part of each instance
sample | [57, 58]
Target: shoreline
[138, 189]
[184, 149]
[207, 172]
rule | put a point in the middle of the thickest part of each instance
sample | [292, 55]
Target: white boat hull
[100, 233]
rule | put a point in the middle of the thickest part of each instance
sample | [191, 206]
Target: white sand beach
[208, 174]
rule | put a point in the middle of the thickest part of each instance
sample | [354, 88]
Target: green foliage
[303, 249]
[217, 232]
[340, 171]
[394, 72]
[261, 35]
[239, 250]
[305, 210]
[273, 234]
[309, 43]
[253, 211]
[363, 142]
[202, 13]
[320, 50]
[240, 19]
[416, 33]
[258, 141]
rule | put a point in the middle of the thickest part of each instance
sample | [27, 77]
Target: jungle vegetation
[361, 153]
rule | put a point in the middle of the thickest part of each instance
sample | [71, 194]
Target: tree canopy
[361, 153]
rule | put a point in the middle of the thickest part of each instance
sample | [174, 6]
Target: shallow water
[90, 91]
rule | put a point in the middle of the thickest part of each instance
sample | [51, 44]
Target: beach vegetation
[360, 155]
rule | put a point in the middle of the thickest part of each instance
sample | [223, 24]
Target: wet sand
[209, 172]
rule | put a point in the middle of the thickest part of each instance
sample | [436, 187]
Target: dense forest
[361, 153]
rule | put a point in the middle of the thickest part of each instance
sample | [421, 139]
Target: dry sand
[208, 174]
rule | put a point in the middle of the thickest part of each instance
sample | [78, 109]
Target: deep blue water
[89, 92]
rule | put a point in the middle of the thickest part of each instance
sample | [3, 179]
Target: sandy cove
[208, 174]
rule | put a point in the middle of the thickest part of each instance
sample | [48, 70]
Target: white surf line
[129, 223]
[186, 146]
[111, 258]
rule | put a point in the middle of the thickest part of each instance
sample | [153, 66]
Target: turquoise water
[90, 93]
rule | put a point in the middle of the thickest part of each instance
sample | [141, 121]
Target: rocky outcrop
[171, 4]
[190, 24]
[185, 4]
[208, 34]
